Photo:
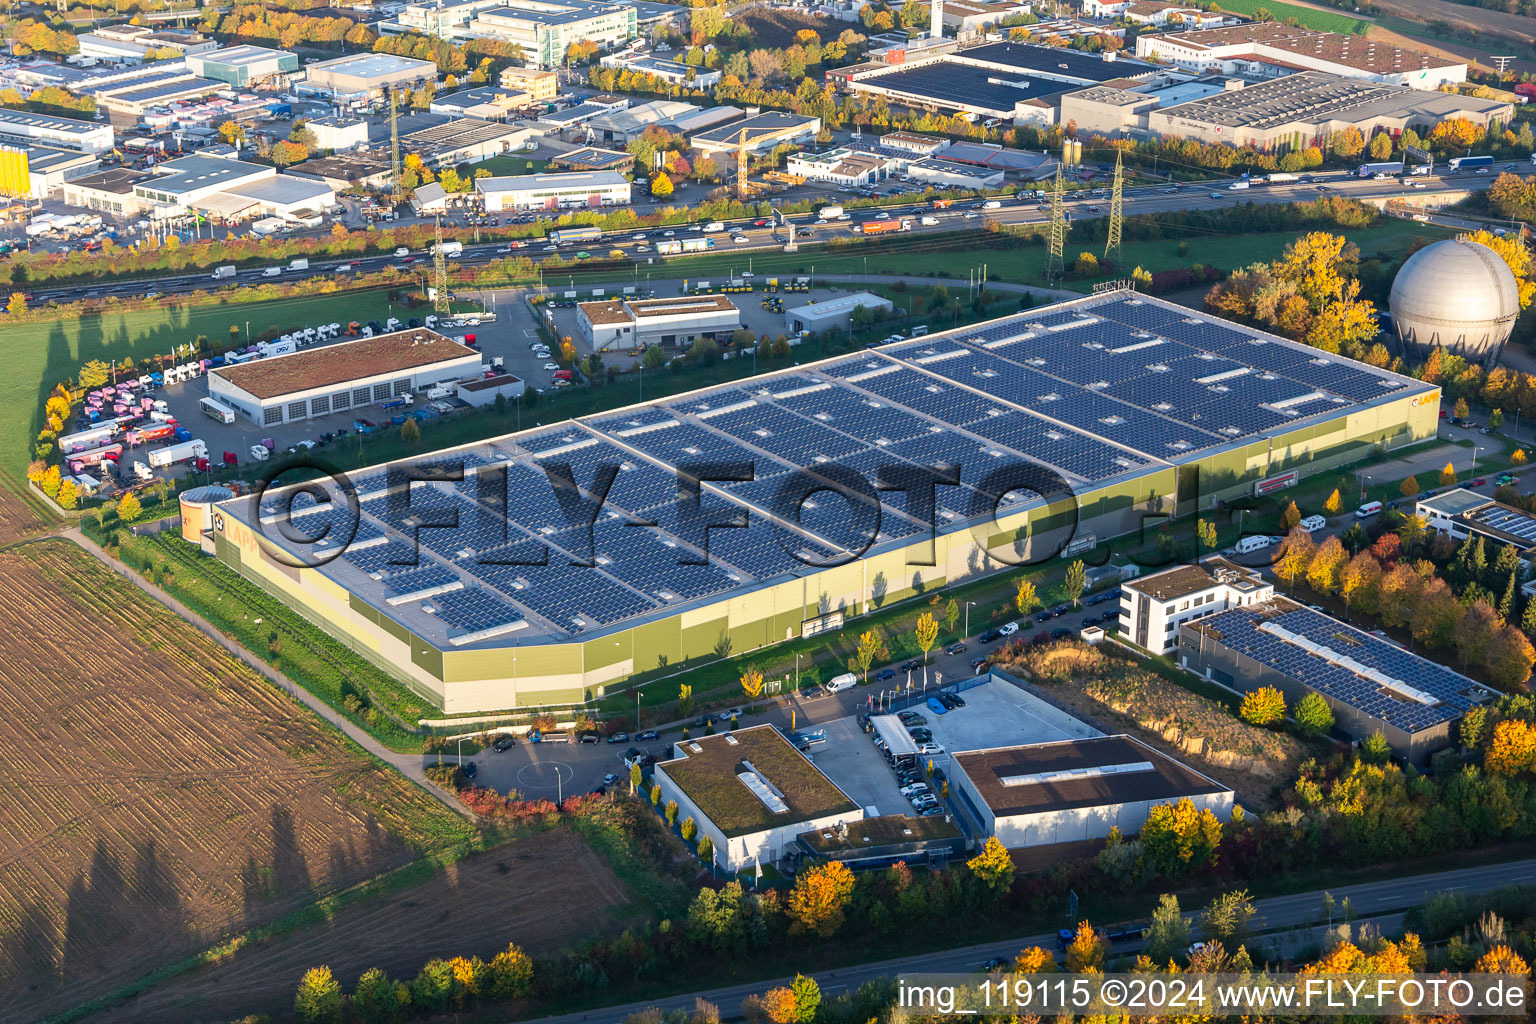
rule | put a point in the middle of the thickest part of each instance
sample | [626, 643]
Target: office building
[1153, 607]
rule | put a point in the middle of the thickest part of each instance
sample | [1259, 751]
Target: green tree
[807, 996]
[926, 632]
[1228, 917]
[1206, 532]
[1381, 145]
[871, 647]
[1375, 749]
[1076, 581]
[375, 1000]
[689, 830]
[433, 987]
[1168, 933]
[1313, 716]
[318, 999]
[951, 614]
[410, 431]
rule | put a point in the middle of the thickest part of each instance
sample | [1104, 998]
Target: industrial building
[109, 191]
[1347, 56]
[484, 391]
[157, 88]
[1016, 82]
[338, 133]
[180, 185]
[678, 321]
[752, 793]
[831, 314]
[19, 127]
[1075, 790]
[554, 191]
[544, 28]
[243, 66]
[1153, 607]
[352, 375]
[670, 71]
[944, 173]
[135, 44]
[1371, 684]
[1126, 399]
[969, 17]
[1460, 513]
[486, 103]
[841, 166]
[1308, 107]
[361, 77]
[591, 158]
[759, 133]
[464, 141]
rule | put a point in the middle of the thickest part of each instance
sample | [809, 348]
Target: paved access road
[1302, 910]
[962, 215]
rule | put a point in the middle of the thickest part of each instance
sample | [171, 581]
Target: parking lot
[999, 714]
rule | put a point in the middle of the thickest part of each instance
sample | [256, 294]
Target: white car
[551, 366]
[668, 234]
[748, 274]
[1008, 628]
[740, 239]
[260, 453]
[928, 749]
[637, 237]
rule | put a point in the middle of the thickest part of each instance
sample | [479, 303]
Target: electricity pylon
[1056, 262]
[1116, 206]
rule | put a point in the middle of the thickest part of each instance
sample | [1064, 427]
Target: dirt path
[544, 893]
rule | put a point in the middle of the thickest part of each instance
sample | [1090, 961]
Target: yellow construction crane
[745, 136]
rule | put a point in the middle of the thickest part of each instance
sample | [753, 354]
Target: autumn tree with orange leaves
[820, 897]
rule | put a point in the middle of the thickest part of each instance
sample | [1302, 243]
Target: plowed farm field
[158, 795]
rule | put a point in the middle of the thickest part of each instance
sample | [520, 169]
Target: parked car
[610, 778]
[885, 673]
[989, 636]
[911, 718]
[589, 737]
[1060, 633]
[649, 734]
[726, 716]
[619, 737]
[955, 649]
[469, 768]
[504, 743]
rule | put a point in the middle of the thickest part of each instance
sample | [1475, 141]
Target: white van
[1008, 628]
[1367, 510]
[846, 681]
[1312, 523]
[1248, 545]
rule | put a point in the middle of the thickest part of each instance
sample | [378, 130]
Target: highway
[1383, 900]
[639, 244]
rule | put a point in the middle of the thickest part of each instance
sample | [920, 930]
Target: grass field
[160, 795]
[46, 352]
[1310, 17]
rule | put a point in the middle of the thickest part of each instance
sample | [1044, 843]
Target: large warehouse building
[243, 66]
[359, 77]
[1371, 684]
[553, 191]
[1135, 404]
[353, 375]
[18, 127]
[1075, 790]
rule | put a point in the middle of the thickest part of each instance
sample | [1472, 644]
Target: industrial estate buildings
[1117, 397]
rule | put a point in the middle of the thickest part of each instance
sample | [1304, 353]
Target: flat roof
[1454, 502]
[463, 131]
[283, 189]
[1068, 774]
[886, 830]
[337, 364]
[680, 305]
[1103, 389]
[841, 304]
[710, 771]
[501, 380]
[117, 180]
[187, 173]
[567, 179]
[766, 121]
[954, 83]
[1356, 52]
[551, 12]
[236, 56]
[57, 124]
[1347, 664]
[1183, 580]
[604, 312]
[372, 65]
[1057, 60]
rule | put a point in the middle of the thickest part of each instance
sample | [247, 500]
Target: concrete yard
[999, 714]
[851, 760]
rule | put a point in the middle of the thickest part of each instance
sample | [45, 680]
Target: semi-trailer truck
[1468, 163]
[154, 432]
[1371, 170]
[882, 227]
[676, 245]
[1281, 178]
[186, 451]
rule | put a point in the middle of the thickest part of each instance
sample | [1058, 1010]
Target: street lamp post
[968, 617]
[1475, 450]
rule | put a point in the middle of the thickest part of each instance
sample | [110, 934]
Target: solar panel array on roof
[1351, 666]
[1096, 389]
[1506, 520]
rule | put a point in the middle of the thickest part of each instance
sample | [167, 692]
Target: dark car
[469, 769]
[976, 663]
[1060, 633]
[921, 735]
[911, 718]
[949, 700]
[955, 649]
[504, 743]
[886, 673]
[1045, 613]
[912, 666]
[1092, 620]
[589, 737]
[619, 737]
[990, 635]
[701, 722]
[649, 734]
[981, 665]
